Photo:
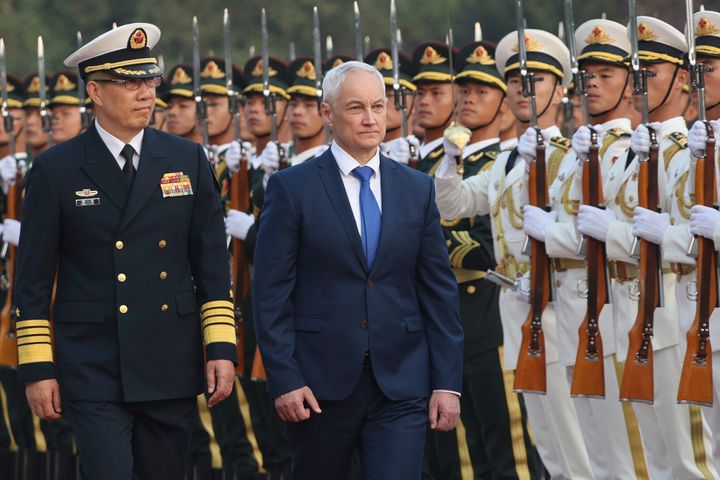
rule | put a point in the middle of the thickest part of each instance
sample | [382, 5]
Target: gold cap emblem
[338, 62]
[138, 39]
[180, 77]
[258, 70]
[599, 37]
[383, 62]
[432, 57]
[212, 70]
[706, 27]
[10, 87]
[34, 86]
[63, 84]
[530, 44]
[480, 56]
[307, 71]
[645, 34]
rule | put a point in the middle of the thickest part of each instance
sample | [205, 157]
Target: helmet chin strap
[617, 104]
[669, 89]
[544, 110]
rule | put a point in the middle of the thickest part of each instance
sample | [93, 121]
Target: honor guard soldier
[394, 145]
[131, 219]
[36, 136]
[501, 192]
[433, 104]
[181, 114]
[65, 106]
[703, 220]
[676, 437]
[492, 415]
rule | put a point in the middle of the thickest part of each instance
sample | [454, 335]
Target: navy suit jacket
[318, 308]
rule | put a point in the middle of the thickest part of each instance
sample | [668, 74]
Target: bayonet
[317, 61]
[4, 109]
[399, 91]
[233, 96]
[84, 113]
[44, 111]
[329, 46]
[270, 109]
[199, 101]
[366, 44]
[528, 80]
[358, 35]
[291, 52]
[580, 77]
[478, 32]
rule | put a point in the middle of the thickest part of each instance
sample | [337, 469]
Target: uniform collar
[347, 163]
[477, 146]
[551, 132]
[115, 145]
[426, 148]
[672, 125]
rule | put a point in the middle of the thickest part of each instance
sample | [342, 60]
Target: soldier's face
[661, 83]
[18, 119]
[548, 95]
[304, 117]
[433, 104]
[607, 86]
[35, 136]
[218, 114]
[66, 122]
[258, 122]
[712, 81]
[478, 104]
[181, 116]
[357, 113]
[121, 108]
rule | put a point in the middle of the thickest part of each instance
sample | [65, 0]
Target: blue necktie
[370, 214]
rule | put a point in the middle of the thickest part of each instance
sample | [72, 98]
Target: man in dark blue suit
[129, 221]
[355, 305]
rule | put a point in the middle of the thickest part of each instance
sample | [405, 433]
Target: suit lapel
[151, 168]
[103, 169]
[330, 176]
[388, 187]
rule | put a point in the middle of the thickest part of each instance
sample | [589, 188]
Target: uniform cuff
[222, 351]
[34, 372]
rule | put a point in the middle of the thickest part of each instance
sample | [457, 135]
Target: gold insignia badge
[706, 27]
[212, 70]
[138, 39]
[180, 77]
[480, 56]
[34, 86]
[645, 34]
[383, 62]
[530, 44]
[432, 57]
[10, 87]
[599, 37]
[86, 192]
[63, 84]
[338, 62]
[307, 71]
[258, 70]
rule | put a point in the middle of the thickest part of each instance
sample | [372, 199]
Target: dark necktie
[128, 170]
[370, 214]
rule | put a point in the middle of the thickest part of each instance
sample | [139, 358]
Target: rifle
[696, 381]
[200, 104]
[270, 97]
[239, 200]
[358, 35]
[530, 374]
[45, 115]
[399, 90]
[317, 62]
[637, 381]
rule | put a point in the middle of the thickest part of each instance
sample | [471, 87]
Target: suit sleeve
[37, 259]
[276, 254]
[209, 263]
[438, 296]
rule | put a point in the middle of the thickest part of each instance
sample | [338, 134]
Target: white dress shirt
[115, 145]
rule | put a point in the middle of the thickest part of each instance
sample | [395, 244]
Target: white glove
[704, 221]
[11, 231]
[237, 224]
[581, 141]
[649, 225]
[640, 139]
[594, 222]
[522, 294]
[536, 221]
[270, 158]
[451, 150]
[8, 171]
[527, 145]
[400, 148]
[233, 155]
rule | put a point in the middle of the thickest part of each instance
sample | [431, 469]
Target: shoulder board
[492, 155]
[679, 138]
[437, 152]
[561, 142]
[618, 132]
[475, 157]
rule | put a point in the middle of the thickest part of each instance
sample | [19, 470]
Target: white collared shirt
[347, 164]
[115, 145]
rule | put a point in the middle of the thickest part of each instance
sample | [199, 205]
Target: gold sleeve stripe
[217, 304]
[219, 322]
[32, 323]
[35, 339]
[217, 311]
[226, 318]
[35, 352]
[220, 333]
[29, 332]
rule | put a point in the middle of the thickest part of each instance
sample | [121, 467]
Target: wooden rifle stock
[589, 374]
[637, 381]
[240, 200]
[696, 381]
[8, 340]
[530, 374]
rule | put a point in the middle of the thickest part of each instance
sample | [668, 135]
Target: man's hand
[291, 406]
[44, 399]
[220, 379]
[444, 411]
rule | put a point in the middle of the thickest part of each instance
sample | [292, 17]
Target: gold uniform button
[123, 309]
[557, 283]
[162, 244]
[119, 245]
[121, 277]
[164, 307]
[471, 289]
[163, 275]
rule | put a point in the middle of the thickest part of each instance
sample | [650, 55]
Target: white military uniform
[676, 438]
[552, 417]
[307, 154]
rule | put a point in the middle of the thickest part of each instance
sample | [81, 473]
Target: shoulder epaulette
[618, 132]
[492, 155]
[475, 157]
[437, 152]
[679, 138]
[561, 142]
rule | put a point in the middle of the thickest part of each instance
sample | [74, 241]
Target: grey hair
[335, 77]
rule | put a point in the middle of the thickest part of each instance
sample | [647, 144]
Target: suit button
[471, 289]
[363, 324]
[163, 275]
[162, 244]
[370, 283]
[164, 307]
[119, 245]
[121, 277]
[123, 309]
